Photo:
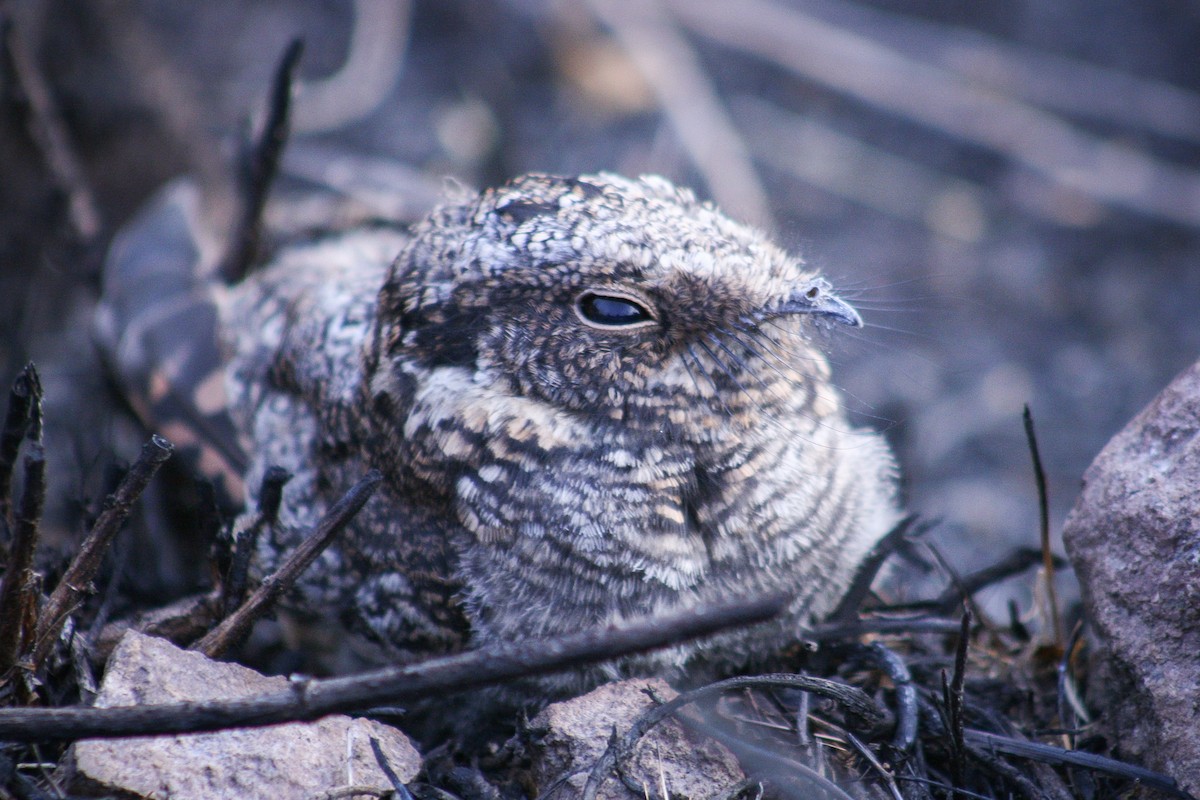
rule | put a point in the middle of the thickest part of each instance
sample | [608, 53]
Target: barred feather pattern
[549, 467]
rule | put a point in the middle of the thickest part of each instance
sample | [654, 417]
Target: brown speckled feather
[591, 398]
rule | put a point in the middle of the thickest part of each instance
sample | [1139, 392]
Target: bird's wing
[157, 327]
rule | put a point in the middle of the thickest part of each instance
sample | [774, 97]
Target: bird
[591, 399]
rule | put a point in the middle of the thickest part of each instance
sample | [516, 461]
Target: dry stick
[848, 607]
[1049, 754]
[310, 700]
[861, 710]
[87, 561]
[895, 625]
[1044, 521]
[1015, 562]
[869, 756]
[261, 164]
[171, 95]
[1081, 89]
[236, 626]
[907, 716]
[49, 134]
[24, 405]
[270, 497]
[762, 762]
[952, 699]
[689, 100]
[865, 69]
[17, 596]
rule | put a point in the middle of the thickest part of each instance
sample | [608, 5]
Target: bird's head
[625, 299]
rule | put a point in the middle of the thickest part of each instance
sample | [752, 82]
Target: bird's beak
[816, 298]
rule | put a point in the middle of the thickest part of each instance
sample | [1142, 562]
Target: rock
[571, 735]
[1134, 538]
[297, 760]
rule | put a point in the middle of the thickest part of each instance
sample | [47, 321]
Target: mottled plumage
[591, 398]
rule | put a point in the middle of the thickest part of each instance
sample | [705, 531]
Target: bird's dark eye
[609, 310]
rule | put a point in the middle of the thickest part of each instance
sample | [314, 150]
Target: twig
[173, 96]
[1049, 754]
[871, 72]
[888, 778]
[760, 760]
[20, 786]
[236, 626]
[860, 710]
[1044, 523]
[180, 623]
[952, 699]
[436, 677]
[87, 561]
[270, 497]
[690, 101]
[50, 136]
[906, 695]
[261, 163]
[853, 599]
[18, 600]
[1068, 85]
[968, 585]
[847, 630]
[394, 779]
[24, 406]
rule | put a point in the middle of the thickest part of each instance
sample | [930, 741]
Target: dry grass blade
[861, 711]
[1056, 755]
[1044, 528]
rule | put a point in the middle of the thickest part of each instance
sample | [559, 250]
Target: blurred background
[1009, 191]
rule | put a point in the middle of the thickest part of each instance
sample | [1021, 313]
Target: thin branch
[869, 568]
[18, 600]
[952, 700]
[260, 167]
[690, 101]
[1044, 520]
[773, 767]
[270, 497]
[894, 625]
[968, 585]
[1049, 754]
[906, 695]
[87, 561]
[49, 134]
[314, 699]
[1065, 84]
[235, 627]
[865, 69]
[24, 407]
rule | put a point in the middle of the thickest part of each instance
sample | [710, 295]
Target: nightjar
[591, 398]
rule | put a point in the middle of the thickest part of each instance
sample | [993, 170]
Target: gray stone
[573, 734]
[1134, 538]
[297, 760]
